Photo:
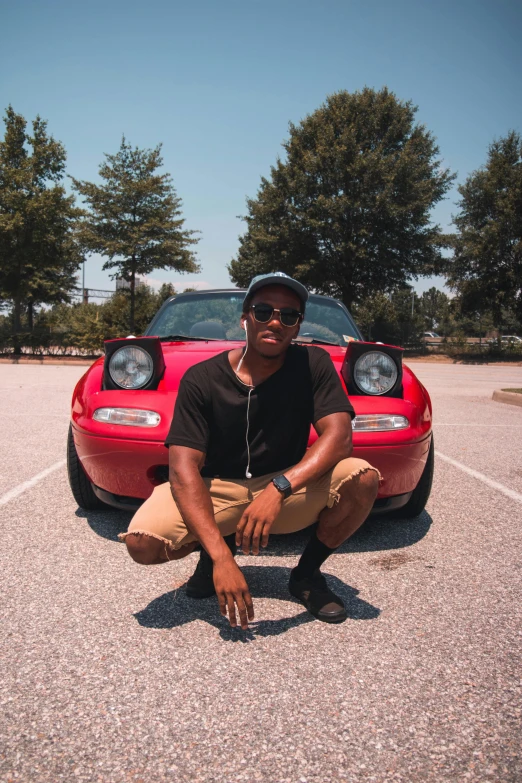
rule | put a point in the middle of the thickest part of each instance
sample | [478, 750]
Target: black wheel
[80, 485]
[421, 493]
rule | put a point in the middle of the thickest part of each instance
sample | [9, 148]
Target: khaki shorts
[159, 516]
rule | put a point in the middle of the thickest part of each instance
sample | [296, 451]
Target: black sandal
[316, 596]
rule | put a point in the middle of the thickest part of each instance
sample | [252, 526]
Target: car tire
[421, 493]
[81, 487]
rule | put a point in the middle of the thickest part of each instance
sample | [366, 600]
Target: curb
[511, 398]
[48, 360]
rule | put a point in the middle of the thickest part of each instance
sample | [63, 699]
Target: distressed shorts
[160, 518]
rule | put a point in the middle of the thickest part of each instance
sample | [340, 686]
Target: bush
[81, 328]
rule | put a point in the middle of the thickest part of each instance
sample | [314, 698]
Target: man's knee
[369, 482]
[364, 485]
[145, 549]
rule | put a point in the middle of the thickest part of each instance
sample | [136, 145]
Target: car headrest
[210, 329]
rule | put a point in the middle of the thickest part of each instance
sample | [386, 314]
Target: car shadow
[378, 533]
[106, 523]
[174, 609]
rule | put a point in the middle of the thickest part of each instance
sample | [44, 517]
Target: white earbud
[244, 325]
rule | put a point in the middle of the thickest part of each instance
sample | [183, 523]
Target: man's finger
[222, 604]
[240, 527]
[231, 611]
[242, 611]
[256, 537]
[266, 534]
[247, 535]
[247, 598]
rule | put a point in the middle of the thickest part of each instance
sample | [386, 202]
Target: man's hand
[232, 590]
[257, 520]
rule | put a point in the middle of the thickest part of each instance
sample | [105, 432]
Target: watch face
[282, 484]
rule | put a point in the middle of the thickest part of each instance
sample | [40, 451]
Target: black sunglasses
[263, 314]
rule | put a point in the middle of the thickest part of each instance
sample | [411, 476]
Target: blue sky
[218, 82]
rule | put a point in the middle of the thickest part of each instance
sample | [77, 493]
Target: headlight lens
[131, 367]
[375, 373]
[130, 417]
[379, 422]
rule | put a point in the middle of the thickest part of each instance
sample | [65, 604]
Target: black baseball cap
[277, 278]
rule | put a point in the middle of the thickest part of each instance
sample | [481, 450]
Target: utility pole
[85, 293]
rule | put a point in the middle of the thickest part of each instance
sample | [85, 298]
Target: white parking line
[510, 493]
[21, 488]
[40, 415]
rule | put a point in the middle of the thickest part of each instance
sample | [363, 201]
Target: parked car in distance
[507, 339]
[122, 407]
[428, 335]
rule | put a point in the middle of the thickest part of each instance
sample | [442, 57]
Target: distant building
[122, 284]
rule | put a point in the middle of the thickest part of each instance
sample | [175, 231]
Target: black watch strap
[283, 485]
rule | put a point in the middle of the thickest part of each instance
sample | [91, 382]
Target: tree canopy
[394, 318]
[486, 269]
[134, 218]
[434, 305]
[348, 210]
[38, 254]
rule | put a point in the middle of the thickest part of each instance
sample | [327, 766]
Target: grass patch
[517, 391]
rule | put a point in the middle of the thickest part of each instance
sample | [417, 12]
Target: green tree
[434, 305]
[134, 218]
[166, 291]
[38, 254]
[391, 318]
[486, 269]
[348, 210]
[115, 311]
[376, 317]
[87, 325]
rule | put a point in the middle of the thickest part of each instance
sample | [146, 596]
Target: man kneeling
[239, 468]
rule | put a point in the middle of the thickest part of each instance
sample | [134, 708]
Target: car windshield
[215, 315]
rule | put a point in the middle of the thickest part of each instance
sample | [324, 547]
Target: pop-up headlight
[373, 370]
[133, 364]
[375, 373]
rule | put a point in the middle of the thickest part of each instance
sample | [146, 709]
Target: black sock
[314, 555]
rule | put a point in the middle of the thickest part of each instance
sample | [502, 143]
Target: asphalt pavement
[110, 673]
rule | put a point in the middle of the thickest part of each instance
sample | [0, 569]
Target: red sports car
[123, 405]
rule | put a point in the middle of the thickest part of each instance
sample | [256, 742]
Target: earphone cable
[251, 389]
[246, 348]
[247, 472]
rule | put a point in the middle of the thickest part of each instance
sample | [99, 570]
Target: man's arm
[333, 444]
[195, 505]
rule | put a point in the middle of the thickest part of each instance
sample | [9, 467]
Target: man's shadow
[174, 609]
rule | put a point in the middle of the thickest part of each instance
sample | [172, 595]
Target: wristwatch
[283, 485]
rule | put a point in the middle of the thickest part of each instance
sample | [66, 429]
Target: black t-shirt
[212, 405]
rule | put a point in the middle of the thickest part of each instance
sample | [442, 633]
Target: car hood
[180, 356]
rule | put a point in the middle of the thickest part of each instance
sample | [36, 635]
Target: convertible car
[123, 405]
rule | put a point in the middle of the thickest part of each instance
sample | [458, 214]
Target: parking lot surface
[110, 673]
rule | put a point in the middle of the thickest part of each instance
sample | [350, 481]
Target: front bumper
[126, 503]
[125, 472]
